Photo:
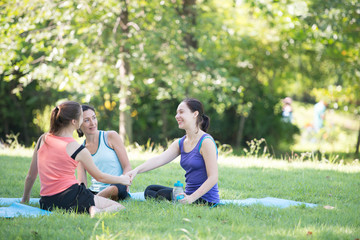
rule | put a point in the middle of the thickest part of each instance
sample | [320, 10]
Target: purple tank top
[193, 163]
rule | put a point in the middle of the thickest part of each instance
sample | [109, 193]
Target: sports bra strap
[73, 156]
[39, 144]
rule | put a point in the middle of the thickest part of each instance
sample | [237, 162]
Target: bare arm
[117, 144]
[32, 175]
[170, 154]
[84, 157]
[208, 151]
[81, 174]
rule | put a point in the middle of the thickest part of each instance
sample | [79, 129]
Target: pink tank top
[56, 168]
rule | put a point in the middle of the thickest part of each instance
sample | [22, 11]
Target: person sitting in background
[55, 159]
[198, 158]
[109, 155]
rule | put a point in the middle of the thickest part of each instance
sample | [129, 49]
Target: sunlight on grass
[18, 151]
[242, 162]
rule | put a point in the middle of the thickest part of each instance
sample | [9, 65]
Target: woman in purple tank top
[198, 158]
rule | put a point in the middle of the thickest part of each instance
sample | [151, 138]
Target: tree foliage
[239, 57]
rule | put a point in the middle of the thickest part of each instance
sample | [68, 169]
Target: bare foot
[93, 211]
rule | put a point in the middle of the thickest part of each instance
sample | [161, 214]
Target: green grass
[239, 178]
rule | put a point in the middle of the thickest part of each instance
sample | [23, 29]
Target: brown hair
[202, 120]
[62, 115]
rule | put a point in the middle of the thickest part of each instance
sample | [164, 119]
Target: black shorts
[76, 198]
[122, 193]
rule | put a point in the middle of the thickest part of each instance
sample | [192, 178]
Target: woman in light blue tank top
[108, 153]
[198, 158]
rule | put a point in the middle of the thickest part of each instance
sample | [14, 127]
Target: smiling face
[185, 117]
[90, 124]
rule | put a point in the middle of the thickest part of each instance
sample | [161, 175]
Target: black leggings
[122, 193]
[165, 193]
[76, 198]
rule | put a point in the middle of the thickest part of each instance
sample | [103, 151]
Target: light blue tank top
[106, 160]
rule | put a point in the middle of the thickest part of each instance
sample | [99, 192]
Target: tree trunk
[357, 144]
[125, 121]
[24, 121]
[189, 15]
[189, 12]
[240, 132]
[164, 114]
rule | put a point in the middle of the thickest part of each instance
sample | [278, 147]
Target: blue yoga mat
[268, 201]
[18, 209]
[9, 201]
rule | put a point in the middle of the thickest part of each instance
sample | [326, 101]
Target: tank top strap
[99, 144]
[203, 138]
[181, 143]
[73, 156]
[105, 138]
[101, 139]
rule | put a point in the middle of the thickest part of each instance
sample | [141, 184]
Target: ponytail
[62, 115]
[202, 121]
[205, 123]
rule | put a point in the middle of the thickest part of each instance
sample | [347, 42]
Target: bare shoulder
[209, 141]
[114, 139]
[40, 141]
[113, 134]
[208, 144]
[175, 144]
[72, 146]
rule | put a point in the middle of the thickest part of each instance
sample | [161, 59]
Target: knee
[149, 192]
[149, 188]
[122, 193]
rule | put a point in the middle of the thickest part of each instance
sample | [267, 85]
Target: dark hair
[84, 108]
[62, 115]
[87, 107]
[202, 120]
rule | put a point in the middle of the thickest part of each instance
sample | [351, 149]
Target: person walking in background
[319, 115]
[55, 159]
[109, 155]
[198, 158]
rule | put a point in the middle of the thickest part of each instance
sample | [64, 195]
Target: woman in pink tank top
[55, 159]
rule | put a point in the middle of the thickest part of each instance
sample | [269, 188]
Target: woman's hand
[187, 199]
[25, 199]
[126, 180]
[132, 174]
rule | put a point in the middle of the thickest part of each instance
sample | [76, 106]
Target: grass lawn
[239, 178]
